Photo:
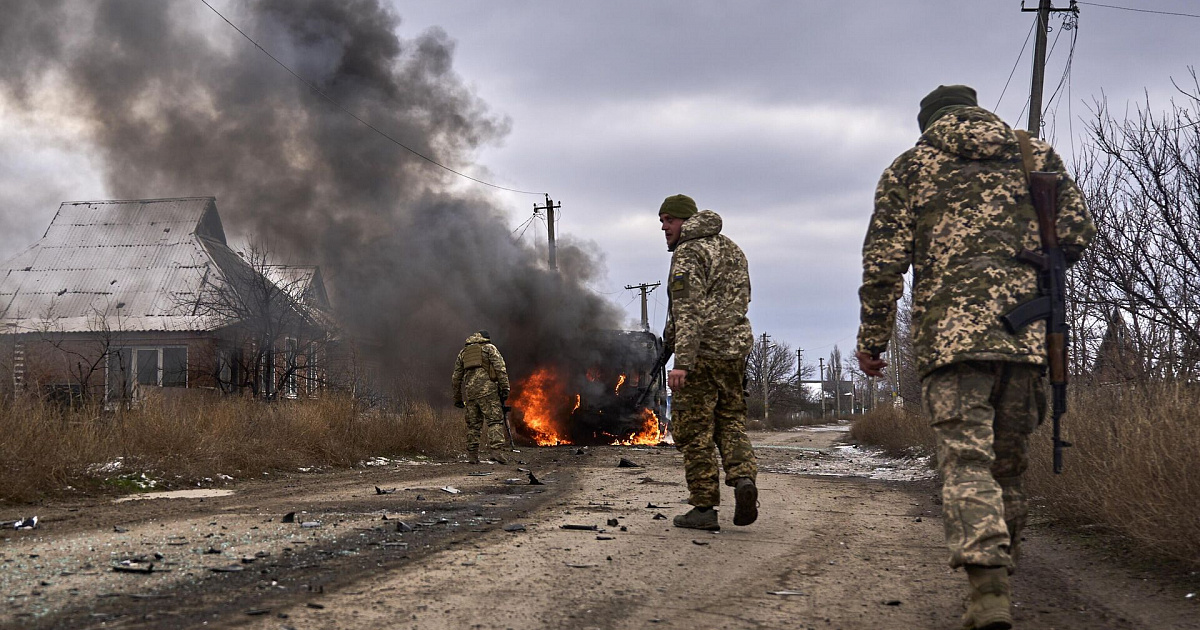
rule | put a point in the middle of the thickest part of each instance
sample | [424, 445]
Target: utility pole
[762, 371]
[821, 361]
[646, 289]
[1045, 8]
[549, 208]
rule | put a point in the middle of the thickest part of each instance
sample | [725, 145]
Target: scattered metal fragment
[403, 527]
[310, 524]
[258, 611]
[514, 481]
[602, 537]
[582, 566]
[131, 567]
[514, 527]
[533, 481]
[891, 602]
[784, 593]
[213, 551]
[651, 506]
[119, 529]
[660, 517]
[290, 517]
[581, 451]
[702, 543]
[379, 490]
[485, 473]
[232, 568]
[402, 545]
[22, 523]
[625, 463]
[316, 606]
[451, 490]
[612, 522]
[586, 528]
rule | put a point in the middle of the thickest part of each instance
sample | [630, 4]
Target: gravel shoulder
[833, 548]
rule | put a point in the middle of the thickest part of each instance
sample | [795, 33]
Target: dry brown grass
[1133, 469]
[895, 430]
[180, 440]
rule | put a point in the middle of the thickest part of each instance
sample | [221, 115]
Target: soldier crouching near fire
[708, 331]
[956, 208]
[480, 384]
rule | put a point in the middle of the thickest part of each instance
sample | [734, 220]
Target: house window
[157, 367]
[229, 375]
[175, 367]
[290, 389]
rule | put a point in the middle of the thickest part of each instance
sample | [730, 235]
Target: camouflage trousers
[709, 415]
[486, 410]
[983, 413]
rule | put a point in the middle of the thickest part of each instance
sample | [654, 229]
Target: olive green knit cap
[678, 206]
[944, 96]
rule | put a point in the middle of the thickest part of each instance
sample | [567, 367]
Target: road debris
[22, 523]
[702, 543]
[451, 490]
[120, 530]
[514, 527]
[602, 537]
[253, 612]
[290, 517]
[403, 527]
[310, 524]
[127, 566]
[480, 474]
[784, 593]
[612, 522]
[533, 481]
[626, 463]
[231, 568]
[651, 506]
[891, 602]
[585, 528]
[379, 490]
[582, 566]
[660, 517]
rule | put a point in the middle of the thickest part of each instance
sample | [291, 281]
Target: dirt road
[834, 548]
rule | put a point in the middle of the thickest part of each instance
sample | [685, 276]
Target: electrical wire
[1015, 64]
[312, 86]
[1113, 6]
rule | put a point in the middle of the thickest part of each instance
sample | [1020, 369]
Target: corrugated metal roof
[128, 265]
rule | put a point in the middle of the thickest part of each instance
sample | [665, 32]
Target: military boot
[499, 457]
[472, 457]
[989, 602]
[746, 508]
[695, 519]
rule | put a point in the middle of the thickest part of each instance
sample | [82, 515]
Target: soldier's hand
[676, 378]
[870, 364]
[459, 404]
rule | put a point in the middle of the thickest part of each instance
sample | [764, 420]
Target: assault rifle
[659, 365]
[1051, 303]
[507, 431]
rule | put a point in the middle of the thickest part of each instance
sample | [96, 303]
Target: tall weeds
[46, 448]
[1134, 467]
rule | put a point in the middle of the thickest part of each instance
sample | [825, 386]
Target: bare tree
[273, 335]
[776, 364]
[1141, 177]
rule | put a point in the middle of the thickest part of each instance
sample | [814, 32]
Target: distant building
[121, 296]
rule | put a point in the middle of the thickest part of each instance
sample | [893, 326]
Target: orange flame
[576, 407]
[651, 433]
[620, 382]
[535, 399]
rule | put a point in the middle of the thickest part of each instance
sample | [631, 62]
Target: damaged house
[120, 298]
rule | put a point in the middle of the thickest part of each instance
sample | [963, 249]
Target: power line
[312, 86]
[1015, 64]
[1113, 6]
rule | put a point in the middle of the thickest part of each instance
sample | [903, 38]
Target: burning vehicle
[619, 397]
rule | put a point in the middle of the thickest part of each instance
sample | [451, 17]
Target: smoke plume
[175, 103]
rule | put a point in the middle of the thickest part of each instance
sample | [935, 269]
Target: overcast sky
[777, 115]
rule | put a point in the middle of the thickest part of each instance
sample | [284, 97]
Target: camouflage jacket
[956, 208]
[709, 287]
[474, 383]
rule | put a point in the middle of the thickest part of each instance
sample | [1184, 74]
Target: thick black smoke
[177, 104]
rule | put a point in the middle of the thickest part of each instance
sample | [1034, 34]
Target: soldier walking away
[480, 385]
[957, 208]
[707, 329]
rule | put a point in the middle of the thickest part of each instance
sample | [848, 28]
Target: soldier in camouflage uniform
[708, 330]
[956, 208]
[480, 383]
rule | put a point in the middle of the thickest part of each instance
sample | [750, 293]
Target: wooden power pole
[762, 371]
[821, 361]
[549, 208]
[646, 289]
[1045, 8]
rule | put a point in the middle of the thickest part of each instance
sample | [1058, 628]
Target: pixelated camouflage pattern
[709, 416]
[982, 414]
[486, 410]
[956, 208]
[709, 286]
[473, 383]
